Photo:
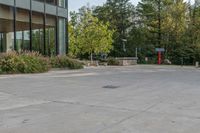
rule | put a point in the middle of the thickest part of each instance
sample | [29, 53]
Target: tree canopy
[170, 24]
[88, 35]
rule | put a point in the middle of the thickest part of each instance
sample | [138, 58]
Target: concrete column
[9, 41]
[61, 36]
[197, 64]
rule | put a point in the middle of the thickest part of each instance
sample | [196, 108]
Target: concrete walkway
[136, 99]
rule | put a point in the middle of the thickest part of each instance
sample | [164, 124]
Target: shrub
[8, 62]
[65, 62]
[27, 62]
[33, 62]
[113, 62]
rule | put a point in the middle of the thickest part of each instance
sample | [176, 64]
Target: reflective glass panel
[50, 35]
[38, 32]
[22, 30]
[6, 28]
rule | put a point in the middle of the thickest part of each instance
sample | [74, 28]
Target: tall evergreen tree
[119, 14]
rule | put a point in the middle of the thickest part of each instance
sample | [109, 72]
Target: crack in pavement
[128, 118]
[93, 105]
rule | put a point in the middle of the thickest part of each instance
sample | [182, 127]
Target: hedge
[33, 62]
[65, 62]
[26, 62]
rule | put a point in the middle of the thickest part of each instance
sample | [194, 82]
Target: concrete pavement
[136, 99]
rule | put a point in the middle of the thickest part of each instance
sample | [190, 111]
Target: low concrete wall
[127, 61]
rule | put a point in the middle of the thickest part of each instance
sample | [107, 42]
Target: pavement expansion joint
[94, 106]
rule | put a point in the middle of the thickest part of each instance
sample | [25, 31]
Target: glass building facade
[35, 25]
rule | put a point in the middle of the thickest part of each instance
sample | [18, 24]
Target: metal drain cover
[111, 87]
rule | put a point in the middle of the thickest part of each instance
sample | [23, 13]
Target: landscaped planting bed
[33, 62]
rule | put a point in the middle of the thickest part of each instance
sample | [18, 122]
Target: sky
[74, 5]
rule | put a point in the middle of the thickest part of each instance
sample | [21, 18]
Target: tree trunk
[91, 58]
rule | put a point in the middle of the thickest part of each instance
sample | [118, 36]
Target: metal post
[22, 46]
[44, 28]
[67, 30]
[14, 25]
[136, 52]
[49, 42]
[57, 41]
[182, 61]
[1, 41]
[159, 57]
[40, 47]
[30, 26]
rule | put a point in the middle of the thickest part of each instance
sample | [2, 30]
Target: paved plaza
[135, 99]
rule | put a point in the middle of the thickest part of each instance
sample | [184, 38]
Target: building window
[50, 35]
[61, 3]
[6, 28]
[40, 0]
[38, 32]
[2, 44]
[22, 30]
[48, 32]
[53, 2]
[61, 34]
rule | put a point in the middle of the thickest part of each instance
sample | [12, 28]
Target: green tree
[90, 36]
[171, 24]
[119, 13]
[193, 30]
[166, 21]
